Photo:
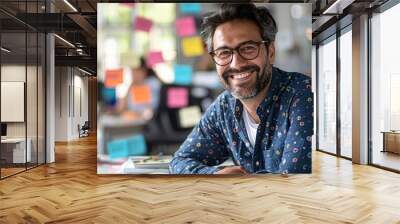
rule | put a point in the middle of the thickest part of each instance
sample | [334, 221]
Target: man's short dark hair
[228, 12]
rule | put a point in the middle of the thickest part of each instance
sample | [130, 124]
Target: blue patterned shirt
[283, 141]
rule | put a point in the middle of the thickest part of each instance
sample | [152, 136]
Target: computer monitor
[3, 129]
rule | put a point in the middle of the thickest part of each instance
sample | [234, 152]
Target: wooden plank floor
[69, 191]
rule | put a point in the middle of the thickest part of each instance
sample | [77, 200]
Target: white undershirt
[251, 127]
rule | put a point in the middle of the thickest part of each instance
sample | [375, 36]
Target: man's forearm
[181, 165]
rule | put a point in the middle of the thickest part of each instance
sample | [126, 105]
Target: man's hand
[232, 170]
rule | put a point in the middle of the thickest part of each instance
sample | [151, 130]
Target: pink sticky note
[128, 5]
[177, 97]
[143, 24]
[154, 57]
[185, 26]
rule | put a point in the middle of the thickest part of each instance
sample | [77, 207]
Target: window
[385, 85]
[346, 93]
[327, 96]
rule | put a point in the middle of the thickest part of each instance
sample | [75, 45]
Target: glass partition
[22, 88]
[14, 152]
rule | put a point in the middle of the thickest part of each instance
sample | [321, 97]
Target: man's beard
[247, 92]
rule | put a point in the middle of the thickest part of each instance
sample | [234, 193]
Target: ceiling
[326, 14]
[76, 23]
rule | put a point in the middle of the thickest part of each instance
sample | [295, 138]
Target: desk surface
[128, 167]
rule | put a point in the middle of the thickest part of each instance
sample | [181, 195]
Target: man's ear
[271, 52]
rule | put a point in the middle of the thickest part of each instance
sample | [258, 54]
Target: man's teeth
[241, 75]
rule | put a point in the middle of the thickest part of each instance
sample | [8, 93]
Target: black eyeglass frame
[212, 54]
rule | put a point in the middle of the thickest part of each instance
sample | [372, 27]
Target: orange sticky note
[114, 77]
[141, 94]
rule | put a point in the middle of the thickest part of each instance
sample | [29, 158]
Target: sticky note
[189, 116]
[177, 97]
[187, 8]
[130, 59]
[114, 77]
[154, 57]
[143, 24]
[192, 46]
[185, 26]
[183, 74]
[109, 96]
[127, 5]
[136, 145]
[124, 147]
[118, 149]
[141, 94]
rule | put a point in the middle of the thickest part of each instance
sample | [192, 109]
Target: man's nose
[237, 60]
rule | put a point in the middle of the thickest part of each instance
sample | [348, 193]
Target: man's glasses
[248, 50]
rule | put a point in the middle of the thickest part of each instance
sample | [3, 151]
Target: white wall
[71, 87]
[61, 103]
[15, 73]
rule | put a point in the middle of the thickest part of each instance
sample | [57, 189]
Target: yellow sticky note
[192, 46]
[189, 116]
[130, 59]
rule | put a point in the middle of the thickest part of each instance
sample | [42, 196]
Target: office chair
[164, 129]
[84, 130]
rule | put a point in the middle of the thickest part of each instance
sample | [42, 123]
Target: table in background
[18, 151]
[391, 141]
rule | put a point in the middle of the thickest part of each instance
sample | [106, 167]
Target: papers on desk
[132, 170]
[147, 165]
[152, 164]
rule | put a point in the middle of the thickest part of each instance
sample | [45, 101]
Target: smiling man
[263, 121]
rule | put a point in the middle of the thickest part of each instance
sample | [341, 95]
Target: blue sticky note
[187, 8]
[118, 149]
[109, 96]
[183, 74]
[137, 145]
